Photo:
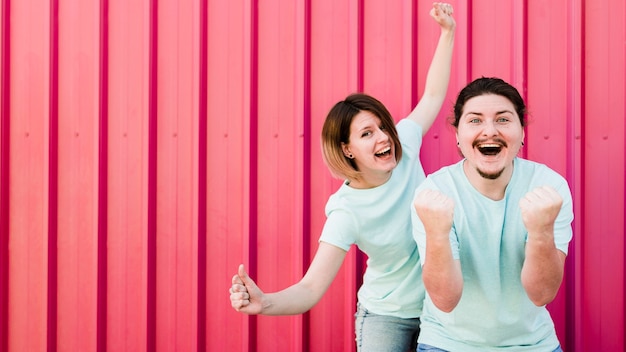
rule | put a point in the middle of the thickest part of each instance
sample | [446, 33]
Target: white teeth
[489, 145]
[383, 151]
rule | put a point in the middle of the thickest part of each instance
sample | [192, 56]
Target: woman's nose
[381, 135]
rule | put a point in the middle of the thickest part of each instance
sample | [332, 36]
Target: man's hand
[436, 210]
[540, 208]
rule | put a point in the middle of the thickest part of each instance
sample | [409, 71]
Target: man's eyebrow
[497, 113]
[504, 112]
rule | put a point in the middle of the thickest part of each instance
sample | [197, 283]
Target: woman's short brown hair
[336, 130]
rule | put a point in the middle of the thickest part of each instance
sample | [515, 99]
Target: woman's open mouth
[383, 152]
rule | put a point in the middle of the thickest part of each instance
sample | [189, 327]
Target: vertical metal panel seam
[624, 215]
[525, 58]
[468, 65]
[360, 64]
[583, 142]
[306, 165]
[103, 155]
[5, 135]
[53, 166]
[253, 176]
[414, 55]
[575, 321]
[202, 176]
[571, 284]
[360, 264]
[151, 313]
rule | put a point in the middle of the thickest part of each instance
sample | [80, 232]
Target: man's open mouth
[489, 148]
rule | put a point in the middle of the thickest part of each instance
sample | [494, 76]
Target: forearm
[437, 80]
[438, 75]
[542, 272]
[296, 299]
[305, 294]
[442, 276]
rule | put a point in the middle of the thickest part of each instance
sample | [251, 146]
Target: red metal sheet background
[150, 146]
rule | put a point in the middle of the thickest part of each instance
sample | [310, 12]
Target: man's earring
[350, 156]
[522, 144]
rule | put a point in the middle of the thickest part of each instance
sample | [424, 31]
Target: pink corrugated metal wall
[147, 147]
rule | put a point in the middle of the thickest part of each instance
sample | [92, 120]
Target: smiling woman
[371, 146]
[380, 165]
[356, 118]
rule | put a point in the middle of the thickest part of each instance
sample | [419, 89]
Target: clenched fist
[540, 208]
[436, 210]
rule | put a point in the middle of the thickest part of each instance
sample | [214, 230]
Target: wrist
[437, 241]
[448, 30]
[541, 239]
[266, 304]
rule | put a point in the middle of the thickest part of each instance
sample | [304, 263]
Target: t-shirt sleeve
[410, 134]
[419, 235]
[563, 224]
[339, 229]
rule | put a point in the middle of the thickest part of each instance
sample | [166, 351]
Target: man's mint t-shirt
[489, 238]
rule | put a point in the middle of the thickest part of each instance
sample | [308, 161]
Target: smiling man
[492, 232]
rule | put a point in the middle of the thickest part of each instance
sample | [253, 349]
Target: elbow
[446, 305]
[542, 299]
[446, 299]
[539, 303]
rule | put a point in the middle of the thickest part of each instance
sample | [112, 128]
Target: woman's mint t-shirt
[378, 221]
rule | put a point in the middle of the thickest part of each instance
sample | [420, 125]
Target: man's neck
[493, 189]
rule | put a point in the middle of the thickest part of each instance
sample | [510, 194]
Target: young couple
[462, 260]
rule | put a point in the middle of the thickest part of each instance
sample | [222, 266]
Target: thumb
[243, 277]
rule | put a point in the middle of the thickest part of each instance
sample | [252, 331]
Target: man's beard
[491, 176]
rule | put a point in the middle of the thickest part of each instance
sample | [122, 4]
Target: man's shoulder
[536, 169]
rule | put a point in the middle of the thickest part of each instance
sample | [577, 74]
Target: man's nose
[490, 129]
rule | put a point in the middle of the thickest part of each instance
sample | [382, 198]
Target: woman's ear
[346, 151]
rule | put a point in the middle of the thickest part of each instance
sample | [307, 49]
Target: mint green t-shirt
[489, 238]
[378, 221]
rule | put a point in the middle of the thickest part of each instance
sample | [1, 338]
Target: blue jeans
[428, 348]
[380, 333]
